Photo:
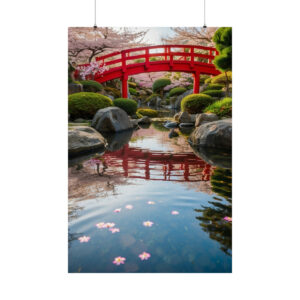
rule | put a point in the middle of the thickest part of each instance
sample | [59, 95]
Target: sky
[155, 34]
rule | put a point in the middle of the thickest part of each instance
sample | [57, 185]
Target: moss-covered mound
[222, 108]
[132, 84]
[221, 78]
[91, 86]
[130, 106]
[133, 91]
[214, 93]
[195, 103]
[159, 84]
[115, 92]
[151, 113]
[85, 104]
[177, 91]
[148, 99]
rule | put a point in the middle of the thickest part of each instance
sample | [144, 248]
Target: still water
[150, 203]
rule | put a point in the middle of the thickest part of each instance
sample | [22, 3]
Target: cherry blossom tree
[191, 36]
[85, 42]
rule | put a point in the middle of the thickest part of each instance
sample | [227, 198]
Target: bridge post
[125, 85]
[196, 82]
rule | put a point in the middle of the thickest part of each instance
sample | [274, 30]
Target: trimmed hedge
[203, 78]
[160, 84]
[208, 80]
[91, 86]
[221, 78]
[215, 87]
[222, 108]
[133, 91]
[132, 84]
[151, 113]
[86, 104]
[130, 106]
[177, 91]
[195, 103]
[214, 93]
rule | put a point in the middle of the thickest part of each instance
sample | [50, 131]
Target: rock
[74, 88]
[169, 124]
[181, 125]
[111, 97]
[117, 141]
[204, 118]
[142, 92]
[144, 120]
[217, 134]
[79, 120]
[83, 139]
[193, 117]
[111, 119]
[183, 117]
[173, 133]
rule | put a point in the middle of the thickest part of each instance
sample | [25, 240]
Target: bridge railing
[158, 54]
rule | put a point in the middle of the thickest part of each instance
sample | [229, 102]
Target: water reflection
[212, 218]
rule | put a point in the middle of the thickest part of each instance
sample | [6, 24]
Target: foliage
[177, 91]
[130, 106]
[91, 86]
[214, 87]
[195, 103]
[133, 91]
[214, 93]
[86, 104]
[151, 113]
[203, 78]
[132, 84]
[222, 108]
[115, 92]
[159, 84]
[221, 78]
[208, 80]
[151, 97]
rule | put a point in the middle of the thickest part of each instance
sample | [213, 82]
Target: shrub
[86, 104]
[195, 103]
[221, 78]
[115, 92]
[214, 87]
[130, 106]
[133, 91]
[159, 84]
[132, 84]
[177, 91]
[203, 78]
[222, 108]
[208, 80]
[151, 113]
[91, 86]
[214, 93]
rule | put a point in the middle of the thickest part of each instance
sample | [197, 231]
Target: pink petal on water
[117, 210]
[148, 223]
[144, 256]
[129, 206]
[151, 202]
[119, 260]
[114, 230]
[84, 239]
[175, 212]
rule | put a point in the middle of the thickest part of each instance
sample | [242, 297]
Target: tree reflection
[212, 218]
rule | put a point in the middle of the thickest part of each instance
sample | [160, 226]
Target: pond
[150, 203]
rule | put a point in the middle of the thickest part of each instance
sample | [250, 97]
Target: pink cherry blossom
[144, 256]
[228, 219]
[151, 202]
[129, 206]
[84, 239]
[117, 210]
[109, 225]
[119, 260]
[114, 230]
[148, 223]
[101, 225]
[175, 212]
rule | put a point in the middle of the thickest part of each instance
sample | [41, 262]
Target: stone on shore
[204, 118]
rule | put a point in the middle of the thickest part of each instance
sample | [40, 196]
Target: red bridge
[171, 58]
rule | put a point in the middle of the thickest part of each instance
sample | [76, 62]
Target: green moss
[177, 91]
[151, 97]
[85, 104]
[133, 91]
[132, 84]
[91, 86]
[152, 113]
[208, 80]
[159, 84]
[214, 93]
[195, 103]
[222, 108]
[221, 78]
[216, 87]
[130, 106]
[115, 92]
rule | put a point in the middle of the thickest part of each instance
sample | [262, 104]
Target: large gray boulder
[217, 134]
[204, 118]
[82, 139]
[111, 119]
[183, 117]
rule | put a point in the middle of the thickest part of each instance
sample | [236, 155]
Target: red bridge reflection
[140, 163]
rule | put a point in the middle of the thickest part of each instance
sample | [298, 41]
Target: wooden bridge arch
[172, 58]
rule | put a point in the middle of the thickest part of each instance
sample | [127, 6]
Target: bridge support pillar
[196, 83]
[125, 86]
